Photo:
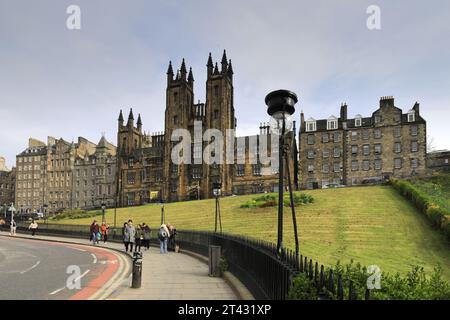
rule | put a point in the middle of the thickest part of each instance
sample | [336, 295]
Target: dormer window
[411, 116]
[332, 123]
[311, 125]
[358, 120]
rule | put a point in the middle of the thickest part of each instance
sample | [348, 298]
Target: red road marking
[95, 284]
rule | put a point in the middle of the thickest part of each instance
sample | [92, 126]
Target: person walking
[123, 236]
[130, 234]
[163, 236]
[139, 238]
[94, 232]
[33, 227]
[147, 235]
[104, 230]
[172, 233]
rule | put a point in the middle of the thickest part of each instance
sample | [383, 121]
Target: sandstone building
[145, 170]
[7, 184]
[439, 160]
[49, 175]
[362, 150]
[94, 180]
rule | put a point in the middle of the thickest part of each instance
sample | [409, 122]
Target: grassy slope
[372, 225]
[437, 188]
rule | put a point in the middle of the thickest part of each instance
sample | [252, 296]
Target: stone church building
[145, 169]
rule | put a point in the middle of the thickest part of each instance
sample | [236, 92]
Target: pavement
[172, 276]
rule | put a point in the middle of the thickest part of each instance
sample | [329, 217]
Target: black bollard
[137, 270]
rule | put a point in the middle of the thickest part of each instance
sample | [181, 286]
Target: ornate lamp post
[280, 105]
[217, 191]
[162, 211]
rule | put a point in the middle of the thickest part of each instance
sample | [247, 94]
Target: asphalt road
[41, 270]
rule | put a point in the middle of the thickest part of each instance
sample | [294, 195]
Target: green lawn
[371, 225]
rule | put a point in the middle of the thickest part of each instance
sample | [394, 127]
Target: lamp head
[281, 101]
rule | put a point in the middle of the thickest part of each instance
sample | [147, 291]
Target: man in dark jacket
[94, 231]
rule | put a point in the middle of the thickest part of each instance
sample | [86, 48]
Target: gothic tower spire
[224, 62]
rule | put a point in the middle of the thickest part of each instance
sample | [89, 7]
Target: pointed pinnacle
[230, 68]
[183, 67]
[210, 62]
[224, 57]
[190, 76]
[170, 70]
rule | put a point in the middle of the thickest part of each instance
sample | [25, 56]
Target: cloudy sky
[70, 83]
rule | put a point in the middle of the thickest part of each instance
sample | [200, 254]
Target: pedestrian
[104, 229]
[172, 232]
[147, 235]
[123, 235]
[130, 234]
[33, 227]
[13, 228]
[163, 236]
[94, 232]
[139, 238]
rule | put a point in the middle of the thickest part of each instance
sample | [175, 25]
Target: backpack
[162, 234]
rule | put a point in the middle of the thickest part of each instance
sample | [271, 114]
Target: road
[34, 269]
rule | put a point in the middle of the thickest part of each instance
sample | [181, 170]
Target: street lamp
[217, 191]
[280, 105]
[45, 214]
[162, 211]
[103, 209]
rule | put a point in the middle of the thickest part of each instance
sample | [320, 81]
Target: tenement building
[439, 160]
[362, 150]
[7, 184]
[31, 167]
[146, 171]
[94, 181]
[59, 175]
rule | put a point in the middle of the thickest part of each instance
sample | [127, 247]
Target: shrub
[415, 285]
[423, 202]
[75, 214]
[436, 214]
[271, 200]
[302, 288]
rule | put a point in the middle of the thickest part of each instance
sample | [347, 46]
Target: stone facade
[7, 184]
[46, 178]
[61, 157]
[439, 160]
[145, 169]
[94, 179]
[31, 172]
[362, 150]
